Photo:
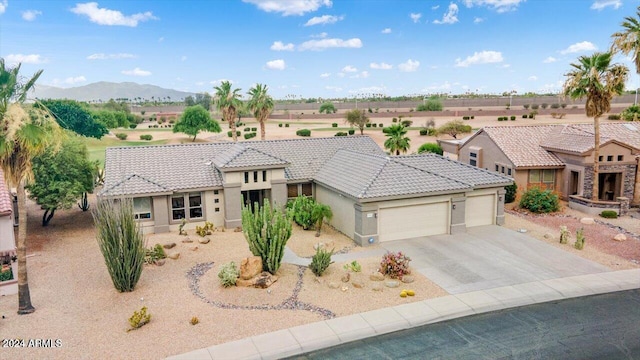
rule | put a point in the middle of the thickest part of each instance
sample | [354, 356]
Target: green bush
[249, 135]
[303, 132]
[526, 106]
[555, 106]
[121, 242]
[154, 254]
[6, 275]
[510, 193]
[146, 137]
[352, 131]
[280, 125]
[334, 125]
[353, 266]
[121, 136]
[609, 214]
[254, 129]
[368, 125]
[139, 319]
[424, 132]
[395, 120]
[267, 231]
[613, 117]
[320, 261]
[133, 126]
[374, 125]
[539, 201]
[286, 125]
[228, 274]
[381, 125]
[544, 105]
[406, 123]
[465, 118]
[431, 148]
[301, 208]
[340, 133]
[432, 104]
[513, 118]
[524, 116]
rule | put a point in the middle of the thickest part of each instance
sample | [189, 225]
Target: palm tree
[261, 105]
[228, 101]
[396, 140]
[628, 40]
[595, 78]
[319, 213]
[24, 134]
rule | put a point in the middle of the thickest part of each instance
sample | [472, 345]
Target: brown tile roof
[6, 203]
[521, 144]
[625, 132]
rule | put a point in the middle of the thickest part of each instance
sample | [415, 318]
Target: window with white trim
[142, 208]
[183, 204]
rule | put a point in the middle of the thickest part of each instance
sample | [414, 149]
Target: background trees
[203, 99]
[75, 116]
[228, 101]
[327, 108]
[454, 128]
[261, 105]
[357, 118]
[195, 119]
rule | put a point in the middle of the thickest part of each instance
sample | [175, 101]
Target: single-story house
[374, 197]
[7, 239]
[560, 158]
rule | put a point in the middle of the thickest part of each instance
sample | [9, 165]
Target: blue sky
[312, 48]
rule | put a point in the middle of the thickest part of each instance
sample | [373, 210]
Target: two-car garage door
[404, 222]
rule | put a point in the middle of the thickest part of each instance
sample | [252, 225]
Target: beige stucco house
[7, 240]
[374, 197]
[560, 158]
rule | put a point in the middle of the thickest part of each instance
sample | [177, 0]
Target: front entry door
[253, 196]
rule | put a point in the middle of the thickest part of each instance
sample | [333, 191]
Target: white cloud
[103, 16]
[101, 56]
[409, 66]
[334, 88]
[325, 75]
[3, 6]
[579, 47]
[477, 20]
[136, 72]
[340, 74]
[363, 74]
[386, 31]
[289, 7]
[497, 5]
[381, 66]
[549, 60]
[450, 17]
[415, 17]
[30, 15]
[601, 4]
[483, 57]
[436, 7]
[438, 87]
[322, 35]
[25, 59]
[183, 58]
[276, 64]
[75, 80]
[319, 45]
[280, 46]
[323, 20]
[349, 68]
[532, 78]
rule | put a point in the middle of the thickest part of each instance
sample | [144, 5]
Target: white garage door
[413, 221]
[480, 210]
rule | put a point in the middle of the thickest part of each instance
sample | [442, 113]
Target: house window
[548, 176]
[182, 203]
[620, 157]
[142, 208]
[177, 207]
[195, 206]
[217, 210]
[307, 189]
[292, 191]
[264, 175]
[534, 176]
[497, 167]
[255, 176]
[509, 171]
[473, 162]
[610, 158]
[502, 170]
[473, 155]
[216, 192]
[216, 201]
[600, 158]
[246, 177]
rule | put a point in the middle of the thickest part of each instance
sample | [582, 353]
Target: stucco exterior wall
[343, 209]
[491, 153]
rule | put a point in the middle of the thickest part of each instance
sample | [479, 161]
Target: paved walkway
[487, 269]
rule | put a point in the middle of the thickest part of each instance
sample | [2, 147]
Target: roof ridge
[374, 177]
[268, 154]
[129, 178]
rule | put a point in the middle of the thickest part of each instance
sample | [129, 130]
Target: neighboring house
[373, 197]
[7, 239]
[560, 158]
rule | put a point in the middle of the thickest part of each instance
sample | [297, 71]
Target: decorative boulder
[346, 277]
[170, 245]
[587, 221]
[250, 267]
[620, 237]
[376, 276]
[174, 256]
[204, 240]
[262, 280]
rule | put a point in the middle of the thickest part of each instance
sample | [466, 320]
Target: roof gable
[135, 184]
[521, 144]
[240, 156]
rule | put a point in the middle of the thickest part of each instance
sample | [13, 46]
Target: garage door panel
[413, 221]
[480, 210]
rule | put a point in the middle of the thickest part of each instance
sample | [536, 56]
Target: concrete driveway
[487, 257]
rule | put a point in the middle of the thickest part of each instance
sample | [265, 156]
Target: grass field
[97, 147]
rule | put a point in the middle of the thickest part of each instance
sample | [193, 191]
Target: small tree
[357, 118]
[454, 128]
[267, 231]
[632, 113]
[319, 213]
[431, 148]
[396, 141]
[121, 242]
[195, 119]
[327, 108]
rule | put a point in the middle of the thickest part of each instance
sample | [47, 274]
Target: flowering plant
[396, 265]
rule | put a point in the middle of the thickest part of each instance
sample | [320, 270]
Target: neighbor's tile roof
[366, 176]
[626, 132]
[570, 142]
[6, 203]
[194, 166]
[521, 144]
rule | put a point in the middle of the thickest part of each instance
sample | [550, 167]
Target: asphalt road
[596, 327]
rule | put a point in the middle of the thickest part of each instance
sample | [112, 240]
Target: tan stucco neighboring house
[7, 239]
[560, 158]
[373, 197]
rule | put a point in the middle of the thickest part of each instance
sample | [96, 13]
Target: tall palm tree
[24, 134]
[261, 105]
[627, 41]
[396, 141]
[595, 78]
[228, 101]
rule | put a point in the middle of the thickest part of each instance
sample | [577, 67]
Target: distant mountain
[108, 90]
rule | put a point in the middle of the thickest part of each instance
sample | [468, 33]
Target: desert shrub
[368, 125]
[250, 135]
[340, 133]
[513, 118]
[301, 208]
[121, 136]
[579, 244]
[396, 265]
[472, 117]
[465, 118]
[280, 125]
[374, 125]
[286, 125]
[544, 105]
[424, 132]
[205, 230]
[510, 193]
[246, 129]
[632, 113]
[267, 231]
[535, 107]
[146, 137]
[194, 320]
[334, 125]
[539, 201]
[526, 106]
[431, 105]
[613, 117]
[353, 266]
[229, 133]
[239, 124]
[555, 106]
[564, 234]
[151, 255]
[431, 148]
[524, 116]
[139, 319]
[352, 131]
[228, 274]
[303, 132]
[563, 105]
[320, 261]
[531, 116]
[254, 129]
[121, 242]
[609, 214]
[407, 123]
[133, 126]
[499, 118]
[381, 125]
[395, 120]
